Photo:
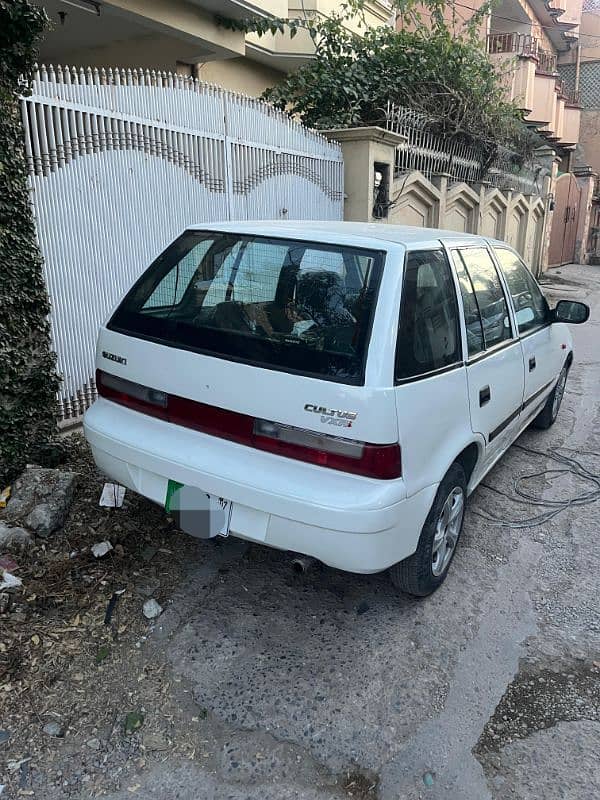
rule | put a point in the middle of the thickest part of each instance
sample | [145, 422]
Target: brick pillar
[366, 151]
[586, 180]
[481, 209]
[440, 181]
[547, 157]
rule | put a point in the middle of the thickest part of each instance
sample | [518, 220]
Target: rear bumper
[347, 521]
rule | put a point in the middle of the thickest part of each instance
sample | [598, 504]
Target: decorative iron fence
[121, 161]
[435, 154]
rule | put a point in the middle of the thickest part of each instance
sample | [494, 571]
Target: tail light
[131, 394]
[347, 455]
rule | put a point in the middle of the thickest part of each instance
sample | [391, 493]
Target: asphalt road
[329, 685]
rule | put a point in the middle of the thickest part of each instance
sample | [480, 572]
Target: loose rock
[40, 500]
[101, 549]
[93, 744]
[428, 779]
[53, 729]
[4, 736]
[14, 540]
[152, 609]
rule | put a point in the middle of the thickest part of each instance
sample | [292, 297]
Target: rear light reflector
[347, 455]
[210, 419]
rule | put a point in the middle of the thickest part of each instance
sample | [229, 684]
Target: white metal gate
[121, 161]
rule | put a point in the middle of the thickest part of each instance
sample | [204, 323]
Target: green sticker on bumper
[172, 487]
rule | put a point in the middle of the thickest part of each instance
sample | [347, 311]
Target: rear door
[541, 342]
[430, 379]
[495, 374]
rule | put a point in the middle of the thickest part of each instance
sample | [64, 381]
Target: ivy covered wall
[28, 379]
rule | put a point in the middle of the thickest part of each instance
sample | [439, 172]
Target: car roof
[307, 229]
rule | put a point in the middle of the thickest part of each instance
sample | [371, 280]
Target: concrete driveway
[329, 685]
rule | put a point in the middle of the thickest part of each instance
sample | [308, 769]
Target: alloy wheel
[447, 531]
[558, 393]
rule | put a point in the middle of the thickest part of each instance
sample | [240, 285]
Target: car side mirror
[570, 311]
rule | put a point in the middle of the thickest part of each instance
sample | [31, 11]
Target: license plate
[198, 513]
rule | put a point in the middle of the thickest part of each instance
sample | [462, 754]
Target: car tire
[424, 571]
[547, 416]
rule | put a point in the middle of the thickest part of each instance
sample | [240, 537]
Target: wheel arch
[569, 360]
[469, 457]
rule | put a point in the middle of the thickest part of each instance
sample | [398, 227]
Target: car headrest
[319, 290]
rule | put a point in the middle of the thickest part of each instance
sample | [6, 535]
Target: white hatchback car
[332, 389]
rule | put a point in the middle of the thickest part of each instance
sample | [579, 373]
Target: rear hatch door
[276, 329]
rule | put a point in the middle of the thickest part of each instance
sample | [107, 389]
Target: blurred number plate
[198, 513]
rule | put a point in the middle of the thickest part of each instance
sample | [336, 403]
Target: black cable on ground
[555, 506]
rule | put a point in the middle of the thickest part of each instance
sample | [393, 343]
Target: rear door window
[531, 308]
[488, 294]
[429, 332]
[299, 306]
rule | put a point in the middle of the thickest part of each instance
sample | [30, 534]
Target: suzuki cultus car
[332, 389]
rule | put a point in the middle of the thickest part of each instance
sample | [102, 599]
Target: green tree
[28, 380]
[435, 67]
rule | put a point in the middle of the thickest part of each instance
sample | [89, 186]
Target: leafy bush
[428, 67]
[28, 380]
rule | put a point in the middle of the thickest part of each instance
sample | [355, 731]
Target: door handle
[485, 395]
[531, 363]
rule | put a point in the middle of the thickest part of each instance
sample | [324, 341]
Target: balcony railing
[571, 96]
[522, 44]
[518, 43]
[547, 62]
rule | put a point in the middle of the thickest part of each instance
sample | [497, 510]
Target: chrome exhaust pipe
[301, 564]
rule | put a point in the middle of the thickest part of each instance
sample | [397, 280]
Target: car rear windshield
[298, 306]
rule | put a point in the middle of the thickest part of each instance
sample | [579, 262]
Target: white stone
[101, 549]
[152, 609]
[8, 581]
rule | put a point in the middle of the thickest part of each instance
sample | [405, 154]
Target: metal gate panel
[564, 221]
[121, 161]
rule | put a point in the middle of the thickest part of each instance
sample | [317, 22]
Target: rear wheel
[426, 569]
[549, 412]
